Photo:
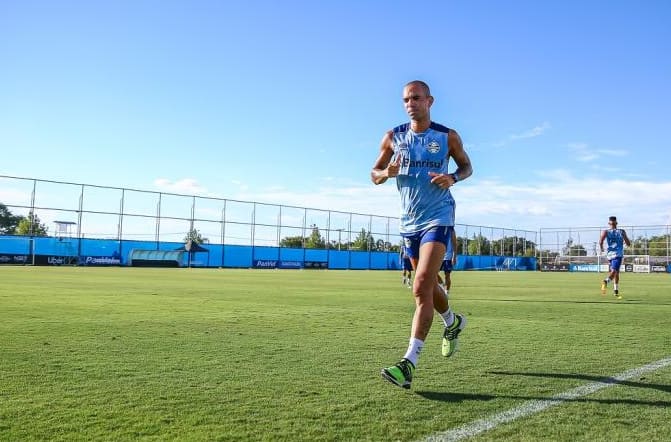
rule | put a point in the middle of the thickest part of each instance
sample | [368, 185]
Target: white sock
[448, 317]
[414, 349]
[615, 286]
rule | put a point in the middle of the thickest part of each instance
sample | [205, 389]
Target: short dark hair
[612, 218]
[421, 84]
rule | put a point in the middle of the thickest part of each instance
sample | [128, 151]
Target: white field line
[536, 406]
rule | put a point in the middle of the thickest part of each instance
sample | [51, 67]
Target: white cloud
[605, 169]
[9, 197]
[554, 174]
[532, 133]
[563, 199]
[583, 153]
[188, 186]
[538, 210]
[558, 198]
[240, 185]
[356, 198]
[586, 157]
[613, 152]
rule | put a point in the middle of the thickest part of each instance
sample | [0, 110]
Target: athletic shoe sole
[387, 376]
[461, 328]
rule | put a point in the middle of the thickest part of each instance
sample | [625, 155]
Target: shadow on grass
[585, 377]
[561, 301]
[456, 397]
[462, 397]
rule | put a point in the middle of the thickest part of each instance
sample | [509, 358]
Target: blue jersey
[615, 241]
[423, 204]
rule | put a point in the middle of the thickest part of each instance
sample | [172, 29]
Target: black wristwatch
[455, 177]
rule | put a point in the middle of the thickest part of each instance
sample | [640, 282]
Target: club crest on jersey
[433, 147]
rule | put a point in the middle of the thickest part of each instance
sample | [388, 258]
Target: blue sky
[564, 107]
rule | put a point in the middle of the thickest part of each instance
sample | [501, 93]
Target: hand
[442, 180]
[394, 167]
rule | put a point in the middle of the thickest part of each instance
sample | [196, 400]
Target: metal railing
[104, 212]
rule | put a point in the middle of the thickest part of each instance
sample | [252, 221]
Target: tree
[195, 237]
[8, 221]
[516, 246]
[498, 247]
[638, 246]
[658, 245]
[315, 240]
[31, 225]
[479, 245]
[462, 245]
[572, 249]
[578, 250]
[295, 242]
[548, 253]
[655, 246]
[363, 241]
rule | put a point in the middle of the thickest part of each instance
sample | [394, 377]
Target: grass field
[184, 354]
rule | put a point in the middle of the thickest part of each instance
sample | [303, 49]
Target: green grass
[184, 354]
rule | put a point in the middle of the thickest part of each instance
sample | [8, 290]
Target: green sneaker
[451, 335]
[399, 374]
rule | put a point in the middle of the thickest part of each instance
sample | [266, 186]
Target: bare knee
[423, 284]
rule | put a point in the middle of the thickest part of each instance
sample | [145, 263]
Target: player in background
[449, 261]
[615, 239]
[407, 268]
[417, 154]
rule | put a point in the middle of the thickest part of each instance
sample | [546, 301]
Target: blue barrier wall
[15, 245]
[17, 249]
[486, 262]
